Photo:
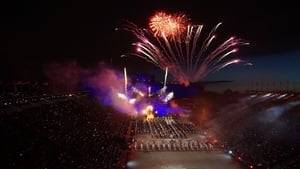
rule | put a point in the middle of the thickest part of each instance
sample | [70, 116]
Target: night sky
[36, 33]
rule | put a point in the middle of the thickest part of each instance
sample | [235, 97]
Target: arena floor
[181, 160]
[177, 158]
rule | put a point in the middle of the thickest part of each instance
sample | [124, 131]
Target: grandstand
[73, 130]
[62, 131]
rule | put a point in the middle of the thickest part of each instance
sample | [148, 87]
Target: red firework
[163, 24]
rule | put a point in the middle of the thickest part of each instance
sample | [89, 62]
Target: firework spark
[163, 24]
[182, 48]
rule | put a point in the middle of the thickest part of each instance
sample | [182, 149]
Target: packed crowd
[74, 131]
[71, 131]
[261, 134]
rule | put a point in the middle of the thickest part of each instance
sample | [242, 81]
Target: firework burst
[163, 24]
[182, 48]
